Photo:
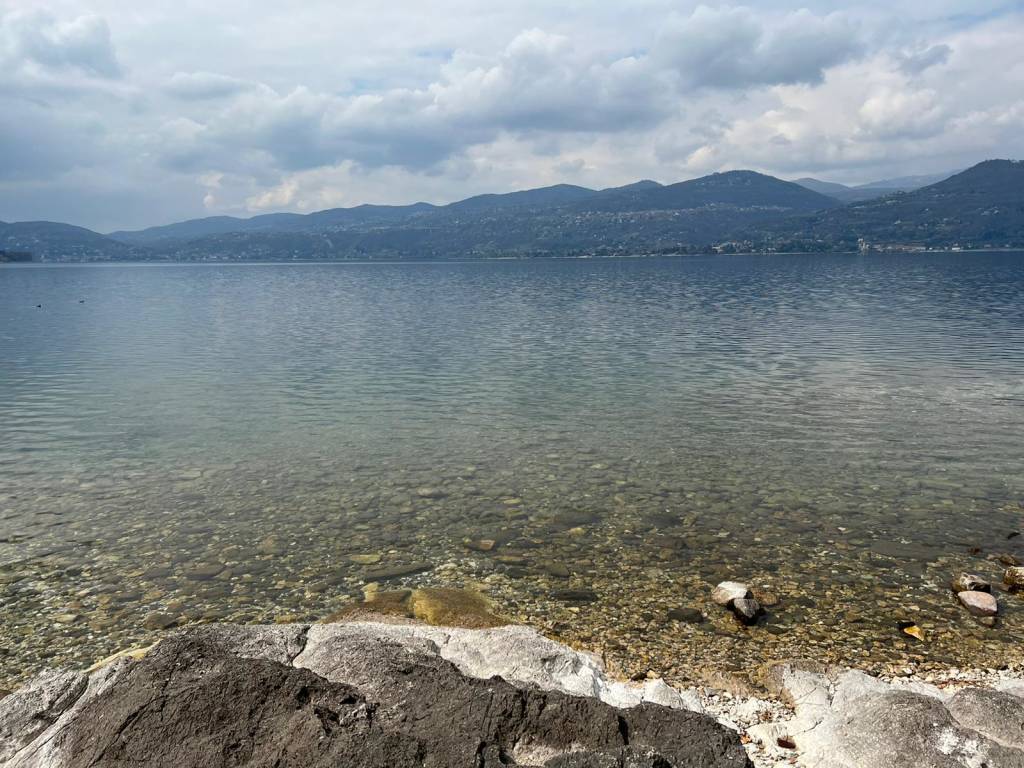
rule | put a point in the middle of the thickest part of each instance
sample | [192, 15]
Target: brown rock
[1014, 578]
[979, 603]
[969, 582]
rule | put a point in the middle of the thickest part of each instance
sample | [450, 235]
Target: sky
[119, 115]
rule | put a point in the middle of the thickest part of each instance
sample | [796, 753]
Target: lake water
[216, 442]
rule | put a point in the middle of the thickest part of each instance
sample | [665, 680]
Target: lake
[594, 443]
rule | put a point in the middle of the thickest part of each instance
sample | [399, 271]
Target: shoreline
[801, 713]
[479, 259]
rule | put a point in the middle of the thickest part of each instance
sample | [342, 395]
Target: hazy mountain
[982, 206]
[62, 242]
[842, 192]
[908, 183]
[333, 218]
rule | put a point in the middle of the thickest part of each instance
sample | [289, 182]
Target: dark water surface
[207, 442]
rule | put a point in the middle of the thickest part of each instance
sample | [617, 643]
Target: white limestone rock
[727, 591]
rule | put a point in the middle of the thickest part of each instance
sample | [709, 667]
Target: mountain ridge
[733, 210]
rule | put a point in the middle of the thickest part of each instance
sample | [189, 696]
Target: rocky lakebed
[435, 677]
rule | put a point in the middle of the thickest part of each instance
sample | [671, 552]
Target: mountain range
[735, 210]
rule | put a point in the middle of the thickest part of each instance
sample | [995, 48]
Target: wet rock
[158, 621]
[969, 582]
[453, 607]
[371, 558]
[686, 615]
[728, 591]
[746, 609]
[270, 546]
[979, 603]
[558, 570]
[574, 595]
[397, 571]
[479, 545]
[203, 571]
[429, 492]
[1014, 578]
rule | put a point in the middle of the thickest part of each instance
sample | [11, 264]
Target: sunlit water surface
[208, 442]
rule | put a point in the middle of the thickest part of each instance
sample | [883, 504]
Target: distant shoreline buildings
[14, 256]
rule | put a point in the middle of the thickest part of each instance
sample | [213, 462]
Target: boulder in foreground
[342, 695]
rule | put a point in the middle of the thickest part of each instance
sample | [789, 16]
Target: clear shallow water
[842, 431]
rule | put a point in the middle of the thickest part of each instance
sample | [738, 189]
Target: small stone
[746, 609]
[969, 582]
[1014, 578]
[203, 571]
[384, 574]
[270, 546]
[558, 570]
[156, 621]
[66, 618]
[367, 559]
[979, 603]
[728, 591]
[479, 545]
[575, 595]
[428, 492]
[686, 615]
[1007, 559]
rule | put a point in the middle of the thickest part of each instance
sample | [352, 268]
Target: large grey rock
[339, 695]
[852, 720]
[515, 653]
[32, 709]
[995, 714]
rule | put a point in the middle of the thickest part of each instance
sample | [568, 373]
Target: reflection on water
[188, 443]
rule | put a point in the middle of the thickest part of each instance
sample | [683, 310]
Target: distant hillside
[842, 192]
[908, 183]
[61, 242]
[558, 220]
[982, 206]
[334, 218]
[739, 189]
[736, 210]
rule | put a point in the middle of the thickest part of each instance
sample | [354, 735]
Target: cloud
[916, 62]
[878, 113]
[199, 86]
[37, 42]
[335, 104]
[736, 48]
[538, 83]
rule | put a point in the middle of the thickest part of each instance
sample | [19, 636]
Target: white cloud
[738, 48]
[205, 85]
[326, 104]
[37, 42]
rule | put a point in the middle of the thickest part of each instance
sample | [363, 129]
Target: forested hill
[980, 207]
[736, 210]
